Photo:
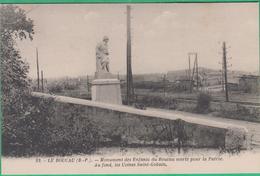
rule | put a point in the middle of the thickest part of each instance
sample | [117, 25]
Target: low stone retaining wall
[223, 109]
[129, 126]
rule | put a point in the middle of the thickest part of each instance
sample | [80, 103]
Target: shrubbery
[55, 88]
[203, 103]
[78, 135]
[28, 134]
[35, 134]
[27, 128]
[157, 101]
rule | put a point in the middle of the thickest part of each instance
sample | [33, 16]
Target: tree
[14, 25]
[203, 103]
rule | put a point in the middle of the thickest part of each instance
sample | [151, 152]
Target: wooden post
[222, 77]
[197, 70]
[129, 76]
[190, 74]
[87, 85]
[118, 76]
[38, 73]
[225, 70]
[42, 80]
[164, 85]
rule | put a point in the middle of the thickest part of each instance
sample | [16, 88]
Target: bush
[77, 135]
[203, 103]
[34, 133]
[68, 86]
[55, 88]
[28, 134]
[14, 70]
[156, 101]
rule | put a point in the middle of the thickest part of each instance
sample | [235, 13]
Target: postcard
[139, 88]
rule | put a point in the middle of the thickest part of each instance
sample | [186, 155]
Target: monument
[105, 88]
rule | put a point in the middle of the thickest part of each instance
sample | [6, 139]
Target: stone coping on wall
[147, 113]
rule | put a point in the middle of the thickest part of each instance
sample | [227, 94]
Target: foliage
[155, 101]
[27, 123]
[76, 134]
[55, 88]
[161, 86]
[31, 133]
[68, 86]
[21, 120]
[38, 134]
[60, 86]
[15, 84]
[203, 103]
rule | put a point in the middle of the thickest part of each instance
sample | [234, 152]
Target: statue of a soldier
[102, 55]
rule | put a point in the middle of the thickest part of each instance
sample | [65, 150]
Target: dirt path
[253, 127]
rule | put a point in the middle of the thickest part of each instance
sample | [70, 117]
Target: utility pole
[190, 74]
[129, 76]
[222, 77]
[225, 69]
[190, 77]
[197, 70]
[42, 80]
[164, 85]
[38, 73]
[87, 84]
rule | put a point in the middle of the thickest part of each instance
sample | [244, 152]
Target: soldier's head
[105, 39]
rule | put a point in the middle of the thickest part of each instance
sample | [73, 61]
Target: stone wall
[225, 109]
[122, 125]
[222, 109]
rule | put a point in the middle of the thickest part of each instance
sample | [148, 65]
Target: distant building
[249, 83]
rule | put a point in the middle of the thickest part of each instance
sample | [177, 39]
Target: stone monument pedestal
[106, 90]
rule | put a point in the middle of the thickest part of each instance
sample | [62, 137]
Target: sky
[162, 36]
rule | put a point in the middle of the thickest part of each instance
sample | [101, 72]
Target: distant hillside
[155, 77]
[207, 73]
[170, 75]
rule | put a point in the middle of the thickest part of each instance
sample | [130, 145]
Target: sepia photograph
[138, 88]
